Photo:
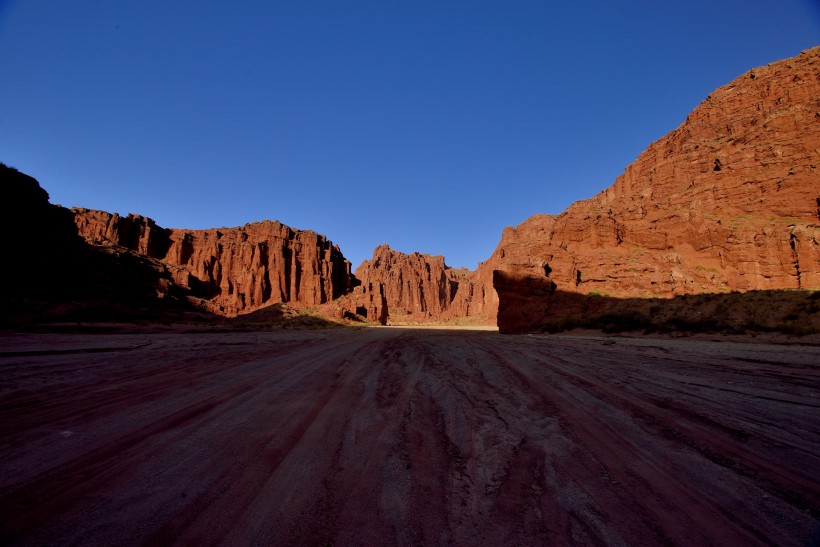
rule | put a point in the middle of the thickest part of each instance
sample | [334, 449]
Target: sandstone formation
[366, 302]
[231, 270]
[730, 200]
[34, 231]
[420, 287]
[50, 273]
[36, 239]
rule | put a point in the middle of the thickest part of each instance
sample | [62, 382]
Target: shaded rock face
[524, 300]
[41, 236]
[45, 256]
[730, 200]
[52, 274]
[420, 287]
[367, 302]
[232, 270]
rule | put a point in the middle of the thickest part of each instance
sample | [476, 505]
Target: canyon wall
[729, 201]
[421, 288]
[52, 274]
[231, 270]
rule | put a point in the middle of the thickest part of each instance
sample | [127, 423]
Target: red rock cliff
[730, 200]
[420, 287]
[234, 270]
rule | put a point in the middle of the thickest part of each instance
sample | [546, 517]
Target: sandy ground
[391, 436]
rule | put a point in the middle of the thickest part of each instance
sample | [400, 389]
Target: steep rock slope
[730, 200]
[232, 270]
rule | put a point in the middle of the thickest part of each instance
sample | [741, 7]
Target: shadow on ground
[534, 305]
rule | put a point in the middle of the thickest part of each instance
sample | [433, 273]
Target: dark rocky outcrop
[50, 273]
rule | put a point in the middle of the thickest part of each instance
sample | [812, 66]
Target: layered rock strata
[365, 303]
[420, 287]
[232, 270]
[730, 200]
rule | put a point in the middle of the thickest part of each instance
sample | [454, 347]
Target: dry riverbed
[389, 436]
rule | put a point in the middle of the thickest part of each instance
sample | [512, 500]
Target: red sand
[407, 437]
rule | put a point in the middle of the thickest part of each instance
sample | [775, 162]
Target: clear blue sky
[429, 125]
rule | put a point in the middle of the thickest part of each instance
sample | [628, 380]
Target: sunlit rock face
[727, 201]
[233, 270]
[730, 200]
[420, 287]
